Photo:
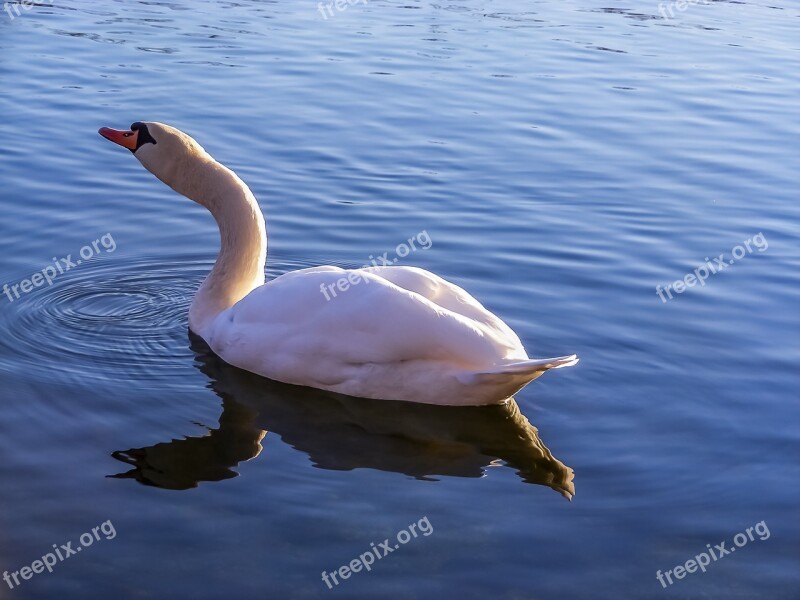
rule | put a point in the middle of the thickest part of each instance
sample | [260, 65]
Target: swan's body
[397, 333]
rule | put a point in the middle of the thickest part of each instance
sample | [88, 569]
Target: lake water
[565, 158]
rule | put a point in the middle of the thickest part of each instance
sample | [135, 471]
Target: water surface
[565, 158]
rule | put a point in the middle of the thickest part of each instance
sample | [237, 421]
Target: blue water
[565, 158]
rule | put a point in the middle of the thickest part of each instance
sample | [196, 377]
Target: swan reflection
[344, 433]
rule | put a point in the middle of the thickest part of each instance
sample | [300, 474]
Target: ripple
[122, 320]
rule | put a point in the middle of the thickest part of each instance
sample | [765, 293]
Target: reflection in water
[343, 433]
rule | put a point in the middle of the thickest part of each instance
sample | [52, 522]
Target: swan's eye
[143, 135]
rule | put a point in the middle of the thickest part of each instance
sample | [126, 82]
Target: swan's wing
[445, 294]
[326, 319]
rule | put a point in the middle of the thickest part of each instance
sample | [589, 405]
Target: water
[565, 159]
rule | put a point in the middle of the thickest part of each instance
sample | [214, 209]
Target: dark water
[565, 159]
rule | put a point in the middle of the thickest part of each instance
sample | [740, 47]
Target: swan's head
[166, 152]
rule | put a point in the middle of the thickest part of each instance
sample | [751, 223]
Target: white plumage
[397, 333]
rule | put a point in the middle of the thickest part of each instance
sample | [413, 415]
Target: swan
[433, 343]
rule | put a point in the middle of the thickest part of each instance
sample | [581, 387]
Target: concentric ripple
[114, 319]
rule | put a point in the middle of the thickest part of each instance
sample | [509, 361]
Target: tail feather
[512, 377]
[536, 365]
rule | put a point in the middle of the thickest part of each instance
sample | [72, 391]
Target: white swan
[398, 333]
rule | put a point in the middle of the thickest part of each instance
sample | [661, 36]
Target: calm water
[565, 157]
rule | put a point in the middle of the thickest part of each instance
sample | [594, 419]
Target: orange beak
[126, 139]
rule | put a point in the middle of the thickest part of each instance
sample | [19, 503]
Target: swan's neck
[243, 240]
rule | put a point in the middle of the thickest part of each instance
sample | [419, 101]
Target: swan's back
[424, 327]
